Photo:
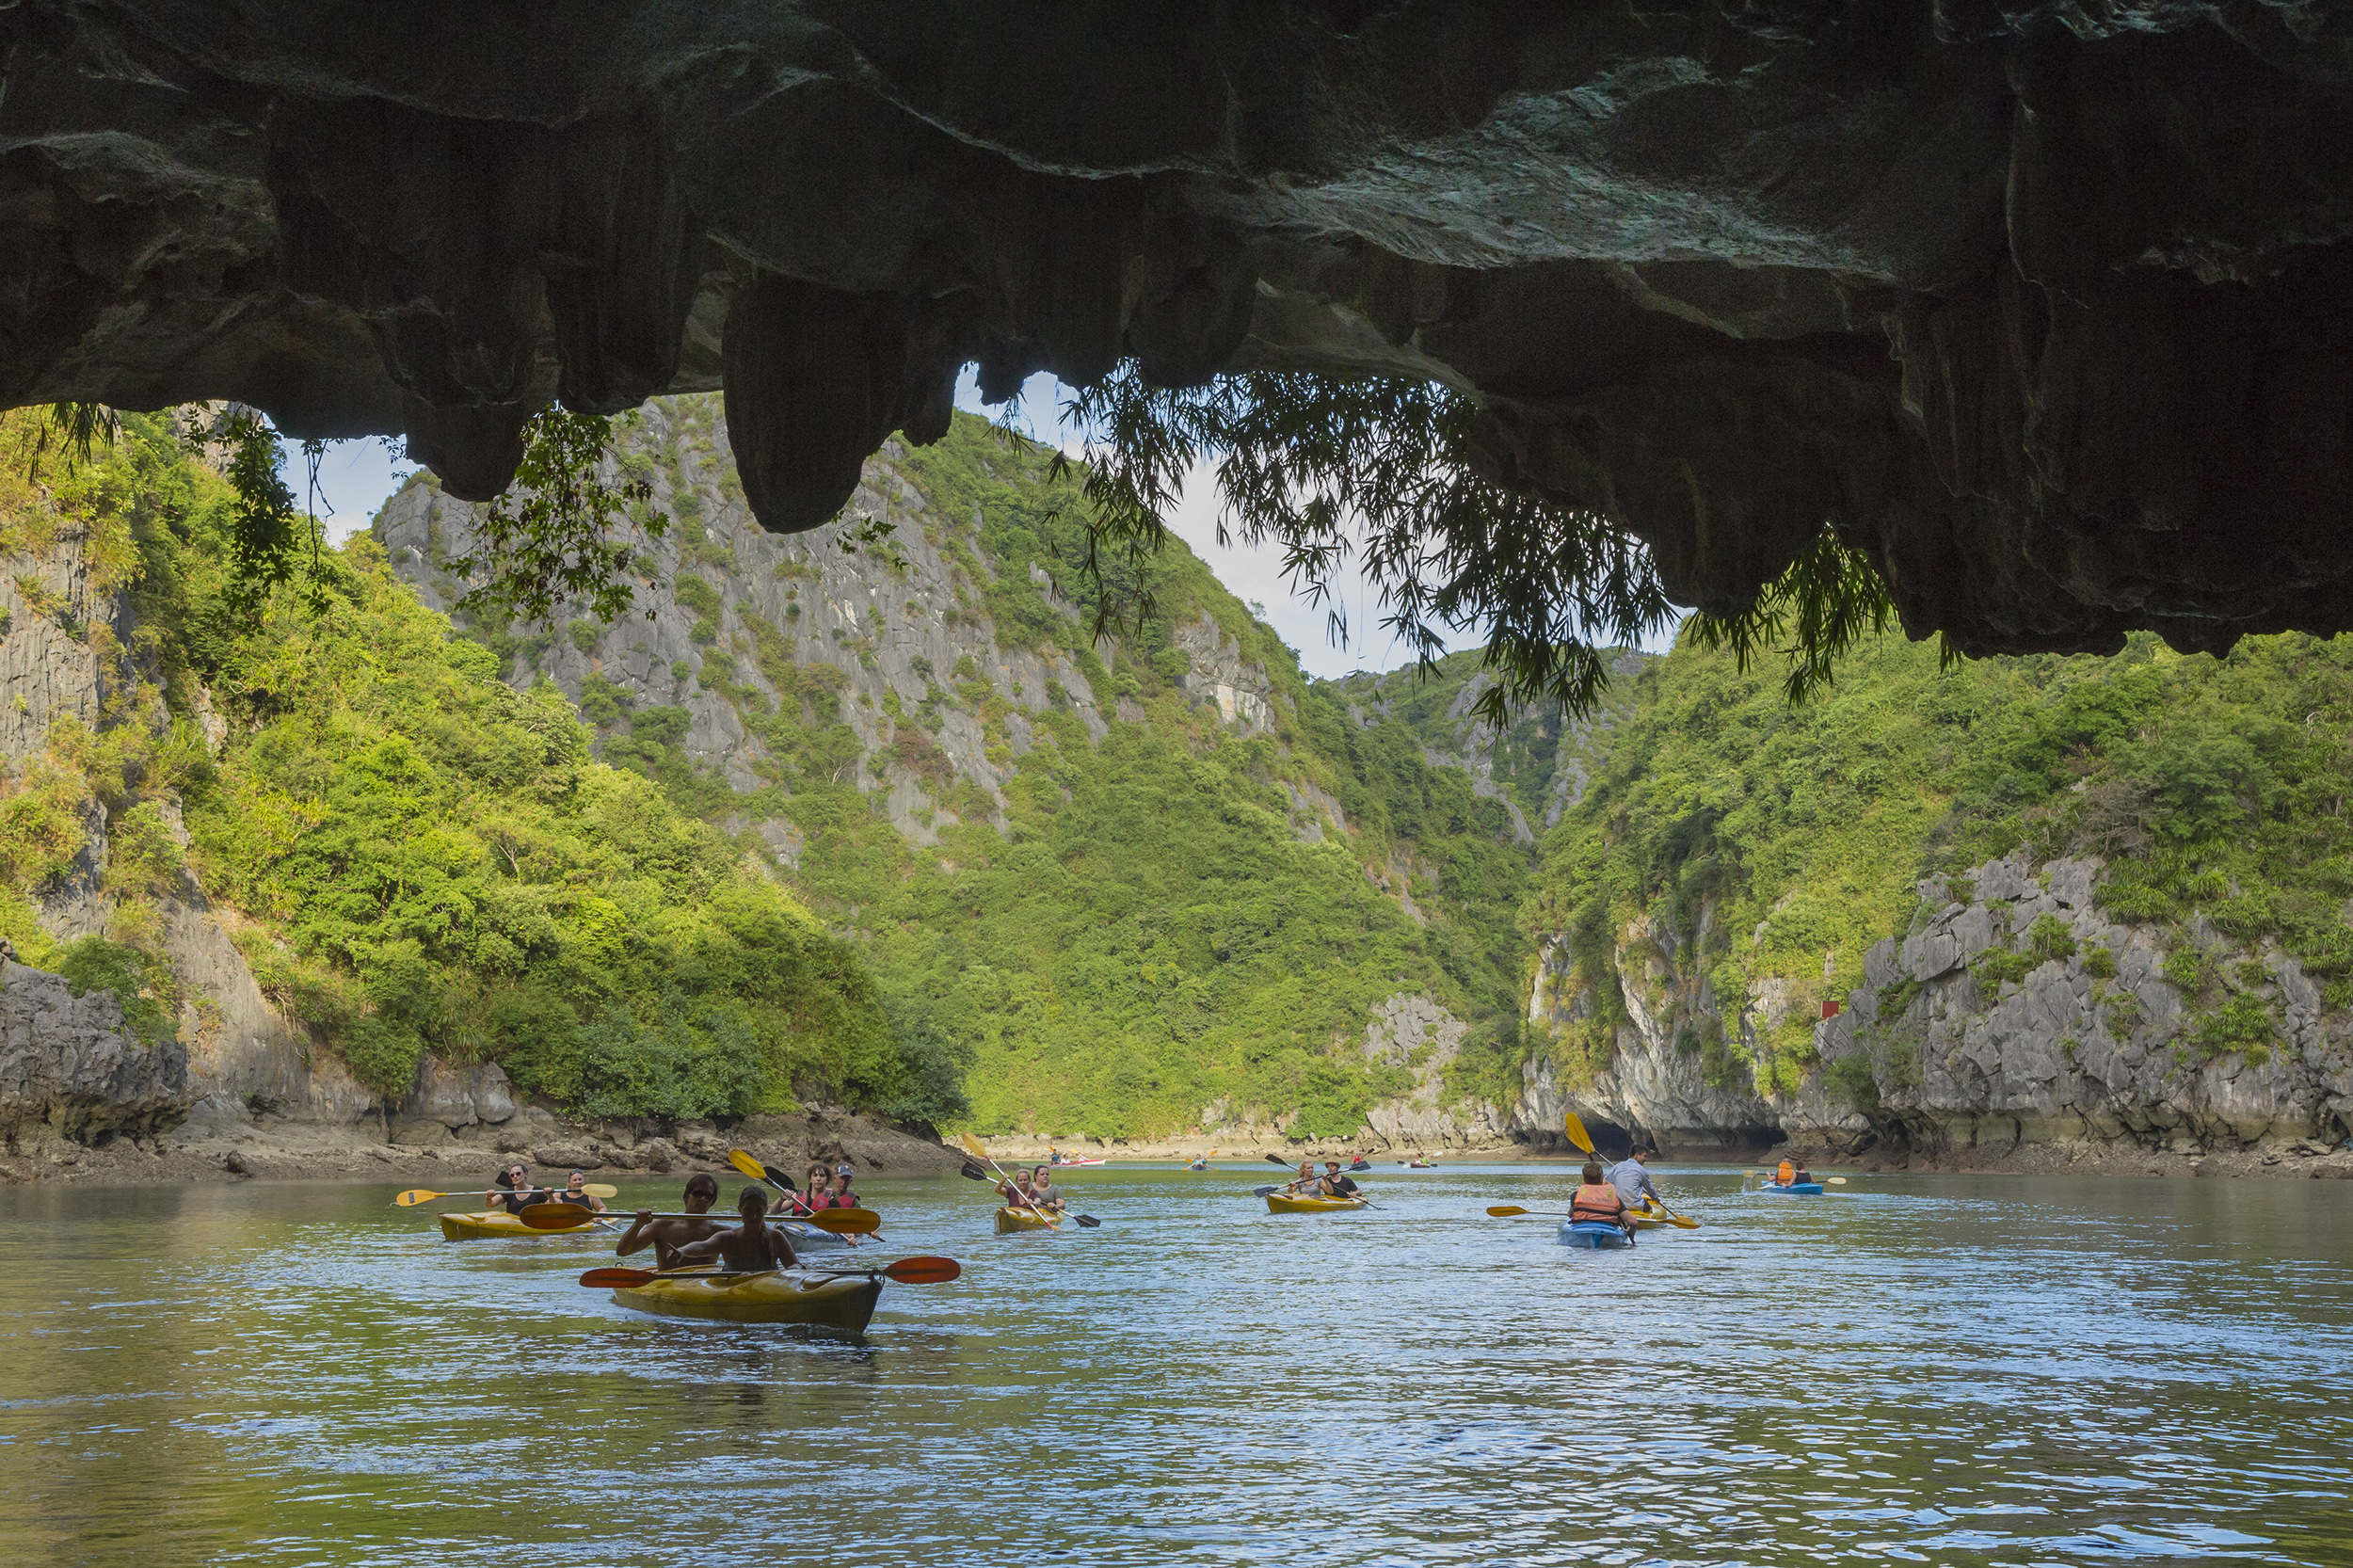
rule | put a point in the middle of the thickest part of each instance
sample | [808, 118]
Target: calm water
[1939, 1370]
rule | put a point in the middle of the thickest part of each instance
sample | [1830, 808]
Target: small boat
[1065, 1164]
[1647, 1218]
[1419, 1165]
[476, 1224]
[1596, 1235]
[1285, 1202]
[1360, 1165]
[805, 1236]
[1200, 1165]
[1011, 1219]
[1796, 1189]
[842, 1303]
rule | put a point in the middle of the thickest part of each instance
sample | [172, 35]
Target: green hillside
[1149, 936]
[2215, 788]
[423, 856]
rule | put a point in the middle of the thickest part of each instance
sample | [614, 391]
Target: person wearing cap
[1631, 1177]
[1335, 1185]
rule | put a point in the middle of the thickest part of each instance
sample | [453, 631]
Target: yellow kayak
[844, 1304]
[1285, 1203]
[1011, 1219]
[1648, 1217]
[473, 1225]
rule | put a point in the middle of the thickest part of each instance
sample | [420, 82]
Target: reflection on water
[1918, 1369]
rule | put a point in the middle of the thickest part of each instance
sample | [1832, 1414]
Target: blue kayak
[1799, 1188]
[1596, 1235]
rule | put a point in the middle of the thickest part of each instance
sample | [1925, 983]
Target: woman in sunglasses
[516, 1193]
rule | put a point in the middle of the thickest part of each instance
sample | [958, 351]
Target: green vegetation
[422, 858]
[2213, 787]
[1148, 936]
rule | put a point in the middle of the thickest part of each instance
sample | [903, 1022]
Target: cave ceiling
[2047, 307]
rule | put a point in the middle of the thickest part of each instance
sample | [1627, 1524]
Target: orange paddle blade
[923, 1270]
[558, 1216]
[617, 1279]
[846, 1222]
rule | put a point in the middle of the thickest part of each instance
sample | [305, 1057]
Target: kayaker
[1335, 1185]
[753, 1247]
[841, 1196]
[1598, 1200]
[575, 1191]
[1043, 1193]
[1308, 1184]
[1801, 1176]
[667, 1236]
[1787, 1175]
[1018, 1192]
[1632, 1181]
[516, 1193]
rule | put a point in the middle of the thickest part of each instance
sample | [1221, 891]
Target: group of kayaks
[839, 1299]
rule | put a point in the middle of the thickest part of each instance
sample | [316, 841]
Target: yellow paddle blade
[1836, 1181]
[601, 1190]
[417, 1196]
[1504, 1211]
[972, 1144]
[847, 1222]
[1575, 1131]
[742, 1160]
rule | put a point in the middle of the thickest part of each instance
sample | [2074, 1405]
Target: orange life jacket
[1597, 1202]
[1787, 1175]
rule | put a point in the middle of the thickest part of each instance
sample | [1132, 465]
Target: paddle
[973, 1172]
[907, 1271]
[418, 1194]
[838, 1222]
[1827, 1182]
[1278, 1160]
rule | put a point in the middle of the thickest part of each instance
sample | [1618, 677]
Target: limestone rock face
[69, 1066]
[731, 614]
[2043, 305]
[2068, 1055]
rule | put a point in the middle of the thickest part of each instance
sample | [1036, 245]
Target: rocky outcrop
[2074, 1037]
[2017, 1025]
[2039, 304]
[68, 1068]
[736, 622]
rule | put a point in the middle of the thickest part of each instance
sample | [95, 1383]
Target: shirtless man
[753, 1247]
[668, 1236]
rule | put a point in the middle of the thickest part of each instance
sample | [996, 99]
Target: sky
[357, 477]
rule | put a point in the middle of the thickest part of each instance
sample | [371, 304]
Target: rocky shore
[270, 1147]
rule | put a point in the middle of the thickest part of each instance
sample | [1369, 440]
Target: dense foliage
[2214, 788]
[1148, 938]
[422, 856]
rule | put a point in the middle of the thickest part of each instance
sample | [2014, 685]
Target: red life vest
[1597, 1202]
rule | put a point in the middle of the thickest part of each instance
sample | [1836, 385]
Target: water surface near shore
[1918, 1369]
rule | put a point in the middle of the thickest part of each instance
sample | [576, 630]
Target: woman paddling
[516, 1193]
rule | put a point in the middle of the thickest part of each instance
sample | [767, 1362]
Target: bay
[1912, 1370]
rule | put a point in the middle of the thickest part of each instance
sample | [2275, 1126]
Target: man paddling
[1335, 1184]
[1631, 1177]
[668, 1236]
[753, 1247]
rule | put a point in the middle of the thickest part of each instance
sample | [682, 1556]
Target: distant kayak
[1065, 1164]
[475, 1225]
[1360, 1165]
[1596, 1235]
[1796, 1189]
[1419, 1165]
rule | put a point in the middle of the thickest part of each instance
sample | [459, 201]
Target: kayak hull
[1066, 1164]
[808, 1237]
[1647, 1218]
[845, 1305]
[1798, 1190]
[1285, 1202]
[1593, 1235]
[484, 1223]
[1012, 1220]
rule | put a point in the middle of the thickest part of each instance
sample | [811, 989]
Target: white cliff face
[1947, 1055]
[2090, 1047]
[1655, 1081]
[742, 619]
